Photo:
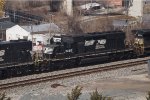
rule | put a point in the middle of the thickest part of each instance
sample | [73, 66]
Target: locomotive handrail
[17, 64]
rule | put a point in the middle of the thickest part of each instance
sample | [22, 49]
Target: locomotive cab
[55, 49]
[142, 41]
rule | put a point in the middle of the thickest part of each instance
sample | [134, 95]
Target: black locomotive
[96, 47]
[85, 48]
[15, 56]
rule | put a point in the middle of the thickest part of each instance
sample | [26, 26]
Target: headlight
[48, 50]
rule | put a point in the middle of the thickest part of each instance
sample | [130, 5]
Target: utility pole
[127, 21]
[49, 30]
[107, 22]
[68, 7]
[32, 35]
[14, 17]
[50, 27]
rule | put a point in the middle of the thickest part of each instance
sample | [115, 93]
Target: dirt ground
[124, 88]
[133, 87]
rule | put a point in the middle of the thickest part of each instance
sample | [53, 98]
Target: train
[71, 50]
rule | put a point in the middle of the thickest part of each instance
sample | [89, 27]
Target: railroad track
[70, 74]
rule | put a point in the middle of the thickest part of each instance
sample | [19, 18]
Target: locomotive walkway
[100, 68]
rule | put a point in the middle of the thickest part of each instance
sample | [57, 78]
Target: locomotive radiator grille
[139, 46]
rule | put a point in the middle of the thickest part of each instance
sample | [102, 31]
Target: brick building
[114, 2]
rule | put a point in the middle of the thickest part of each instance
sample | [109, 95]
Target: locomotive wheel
[134, 56]
[46, 65]
[61, 65]
[18, 70]
[27, 70]
[112, 57]
[1, 74]
[12, 72]
[4, 74]
[78, 61]
[57, 65]
[43, 67]
[119, 56]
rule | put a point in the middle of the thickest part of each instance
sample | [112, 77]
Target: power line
[16, 15]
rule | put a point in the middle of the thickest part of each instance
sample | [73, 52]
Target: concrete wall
[67, 7]
[136, 9]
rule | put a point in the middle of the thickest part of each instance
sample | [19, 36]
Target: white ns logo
[103, 41]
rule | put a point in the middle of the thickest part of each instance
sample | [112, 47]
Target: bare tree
[76, 92]
[4, 97]
[74, 24]
[148, 97]
[25, 4]
[96, 96]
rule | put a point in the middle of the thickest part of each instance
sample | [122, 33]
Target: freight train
[72, 50]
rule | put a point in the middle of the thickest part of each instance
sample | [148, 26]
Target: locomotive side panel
[146, 41]
[107, 41]
[15, 51]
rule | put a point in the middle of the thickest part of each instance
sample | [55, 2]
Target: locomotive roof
[12, 41]
[141, 31]
[95, 33]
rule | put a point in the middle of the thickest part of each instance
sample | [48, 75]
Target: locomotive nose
[48, 50]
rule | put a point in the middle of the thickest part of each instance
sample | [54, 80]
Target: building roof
[114, 2]
[146, 18]
[42, 28]
[120, 23]
[89, 5]
[141, 31]
[6, 24]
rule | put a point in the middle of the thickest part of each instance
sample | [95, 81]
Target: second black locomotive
[97, 46]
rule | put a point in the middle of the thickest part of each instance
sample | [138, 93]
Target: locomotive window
[146, 35]
[67, 39]
[59, 49]
[67, 45]
[25, 37]
[56, 39]
[96, 7]
[140, 37]
[34, 39]
[48, 41]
